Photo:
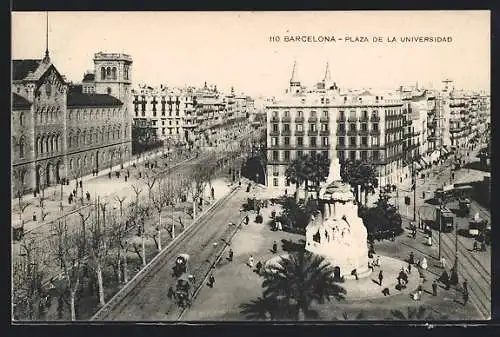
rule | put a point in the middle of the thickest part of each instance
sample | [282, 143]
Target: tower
[294, 82]
[113, 75]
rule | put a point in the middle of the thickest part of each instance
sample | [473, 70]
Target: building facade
[354, 125]
[63, 131]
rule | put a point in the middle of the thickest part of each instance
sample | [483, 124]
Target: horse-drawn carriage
[183, 291]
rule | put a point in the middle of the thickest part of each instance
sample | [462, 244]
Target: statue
[338, 234]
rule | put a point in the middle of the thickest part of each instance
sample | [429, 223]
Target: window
[352, 114]
[341, 141]
[299, 127]
[341, 114]
[287, 140]
[364, 127]
[375, 141]
[275, 155]
[21, 148]
[21, 118]
[299, 153]
[300, 141]
[286, 114]
[364, 155]
[352, 127]
[352, 141]
[324, 127]
[325, 113]
[287, 155]
[275, 127]
[341, 155]
[364, 141]
[342, 127]
[313, 114]
[275, 113]
[108, 90]
[286, 127]
[275, 182]
[312, 141]
[324, 154]
[274, 141]
[103, 73]
[312, 127]
[376, 155]
[299, 113]
[325, 141]
[352, 155]
[375, 126]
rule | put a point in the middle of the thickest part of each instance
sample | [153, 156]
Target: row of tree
[100, 237]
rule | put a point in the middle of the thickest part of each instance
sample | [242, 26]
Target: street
[148, 301]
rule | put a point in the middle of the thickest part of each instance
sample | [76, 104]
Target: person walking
[380, 278]
[465, 286]
[434, 288]
[443, 263]
[409, 268]
[230, 257]
[250, 261]
[211, 281]
[465, 297]
[275, 247]
[412, 258]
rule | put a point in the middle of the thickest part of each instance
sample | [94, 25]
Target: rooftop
[19, 102]
[89, 77]
[77, 98]
[21, 68]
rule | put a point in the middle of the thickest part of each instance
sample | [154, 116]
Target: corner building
[64, 131]
[355, 125]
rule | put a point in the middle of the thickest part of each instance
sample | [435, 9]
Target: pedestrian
[443, 263]
[230, 258]
[34, 216]
[81, 184]
[250, 261]
[380, 278]
[386, 291]
[465, 297]
[211, 281]
[409, 268]
[377, 261]
[370, 265]
[465, 286]
[475, 246]
[275, 247]
[213, 193]
[88, 196]
[258, 268]
[434, 288]
[412, 258]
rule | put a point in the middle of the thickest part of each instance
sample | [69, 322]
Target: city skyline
[217, 48]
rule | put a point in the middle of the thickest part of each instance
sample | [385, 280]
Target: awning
[423, 162]
[444, 151]
[417, 165]
[434, 156]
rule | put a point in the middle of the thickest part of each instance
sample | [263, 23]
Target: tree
[22, 207]
[120, 201]
[200, 177]
[97, 247]
[296, 172]
[20, 175]
[301, 278]
[69, 247]
[318, 169]
[359, 173]
[151, 178]
[118, 239]
[29, 299]
[160, 201]
[137, 191]
[419, 313]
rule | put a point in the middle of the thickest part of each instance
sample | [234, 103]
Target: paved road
[149, 301]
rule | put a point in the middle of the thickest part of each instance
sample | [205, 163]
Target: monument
[338, 234]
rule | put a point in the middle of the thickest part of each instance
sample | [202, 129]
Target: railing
[341, 119]
[312, 119]
[274, 133]
[312, 132]
[324, 119]
[352, 119]
[375, 118]
[324, 133]
[286, 133]
[286, 119]
[299, 119]
[299, 133]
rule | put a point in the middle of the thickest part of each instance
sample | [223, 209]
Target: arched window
[79, 162]
[103, 73]
[108, 72]
[46, 144]
[113, 72]
[58, 142]
[85, 161]
[84, 138]
[52, 141]
[70, 139]
[39, 147]
[21, 118]
[47, 116]
[71, 164]
[21, 147]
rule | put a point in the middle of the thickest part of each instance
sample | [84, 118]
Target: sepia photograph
[316, 166]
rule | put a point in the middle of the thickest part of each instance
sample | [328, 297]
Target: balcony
[299, 119]
[274, 133]
[324, 119]
[341, 131]
[352, 119]
[352, 132]
[324, 133]
[364, 146]
[312, 119]
[275, 119]
[363, 132]
[299, 133]
[375, 119]
[363, 119]
[341, 147]
[341, 119]
[324, 146]
[286, 133]
[312, 133]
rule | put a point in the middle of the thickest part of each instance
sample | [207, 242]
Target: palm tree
[420, 313]
[296, 172]
[318, 169]
[301, 278]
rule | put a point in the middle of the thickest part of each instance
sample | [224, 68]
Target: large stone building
[347, 124]
[63, 131]
[189, 115]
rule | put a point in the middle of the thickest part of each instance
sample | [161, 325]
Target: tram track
[478, 277]
[145, 296]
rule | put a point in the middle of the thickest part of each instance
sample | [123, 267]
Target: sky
[235, 49]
